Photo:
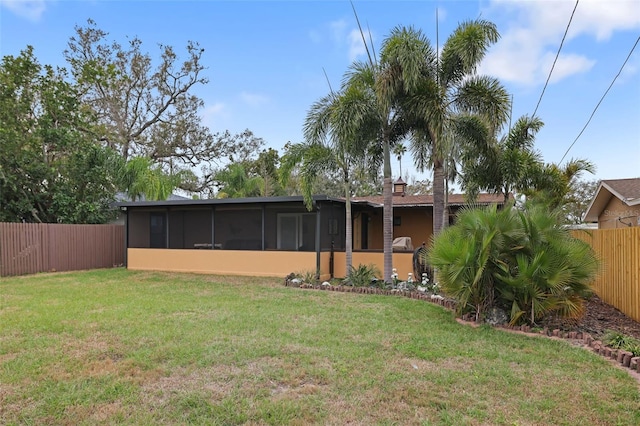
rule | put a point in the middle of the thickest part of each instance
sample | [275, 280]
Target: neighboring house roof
[427, 200]
[626, 190]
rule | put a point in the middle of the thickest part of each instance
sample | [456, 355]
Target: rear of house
[272, 236]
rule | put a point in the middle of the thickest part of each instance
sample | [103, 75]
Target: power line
[556, 59]
[602, 98]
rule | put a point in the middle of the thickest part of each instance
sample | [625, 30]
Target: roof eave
[227, 201]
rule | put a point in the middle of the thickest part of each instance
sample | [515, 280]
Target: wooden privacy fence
[618, 282]
[29, 248]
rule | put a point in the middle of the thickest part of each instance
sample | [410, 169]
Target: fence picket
[29, 248]
[618, 281]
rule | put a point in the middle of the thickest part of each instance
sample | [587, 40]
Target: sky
[266, 60]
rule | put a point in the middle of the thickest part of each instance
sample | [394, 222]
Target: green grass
[121, 347]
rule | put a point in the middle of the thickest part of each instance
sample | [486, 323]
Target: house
[272, 236]
[616, 204]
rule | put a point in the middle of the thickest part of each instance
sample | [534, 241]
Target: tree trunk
[387, 215]
[438, 197]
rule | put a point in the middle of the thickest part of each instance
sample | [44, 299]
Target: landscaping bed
[599, 318]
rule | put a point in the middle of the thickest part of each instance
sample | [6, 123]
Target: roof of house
[626, 190]
[372, 201]
[124, 197]
[427, 200]
[222, 201]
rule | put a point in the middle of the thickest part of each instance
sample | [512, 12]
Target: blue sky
[265, 59]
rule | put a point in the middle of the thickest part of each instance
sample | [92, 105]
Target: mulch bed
[598, 319]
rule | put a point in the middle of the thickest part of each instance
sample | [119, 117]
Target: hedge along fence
[618, 282]
[29, 248]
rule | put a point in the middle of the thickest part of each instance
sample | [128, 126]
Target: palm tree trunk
[387, 215]
[438, 197]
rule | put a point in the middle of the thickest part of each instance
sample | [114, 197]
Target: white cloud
[603, 18]
[535, 29]
[356, 45]
[344, 38]
[212, 113]
[253, 99]
[29, 9]
[566, 65]
[338, 29]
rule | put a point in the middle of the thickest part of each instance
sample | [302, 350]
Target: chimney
[399, 187]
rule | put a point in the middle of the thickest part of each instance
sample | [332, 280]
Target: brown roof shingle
[627, 188]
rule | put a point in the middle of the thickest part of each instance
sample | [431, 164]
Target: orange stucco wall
[223, 262]
[615, 209]
[416, 223]
[325, 258]
[403, 262]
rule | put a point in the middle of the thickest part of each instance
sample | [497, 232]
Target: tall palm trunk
[438, 197]
[387, 214]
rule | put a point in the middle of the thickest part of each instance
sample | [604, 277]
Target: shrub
[617, 340]
[362, 275]
[308, 276]
[520, 260]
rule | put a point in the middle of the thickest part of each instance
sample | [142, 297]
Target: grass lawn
[122, 347]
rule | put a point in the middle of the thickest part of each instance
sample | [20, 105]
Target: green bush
[617, 340]
[522, 261]
[362, 275]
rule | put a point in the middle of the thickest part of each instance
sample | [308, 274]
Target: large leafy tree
[51, 169]
[150, 111]
[577, 200]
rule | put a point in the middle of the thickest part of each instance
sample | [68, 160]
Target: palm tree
[502, 166]
[235, 182]
[554, 182]
[376, 115]
[139, 177]
[399, 150]
[332, 144]
[439, 93]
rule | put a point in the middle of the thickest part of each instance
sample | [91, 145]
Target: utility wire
[556, 59]
[602, 98]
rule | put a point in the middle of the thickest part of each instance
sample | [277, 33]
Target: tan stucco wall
[615, 209]
[223, 262]
[403, 262]
[325, 258]
[416, 223]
